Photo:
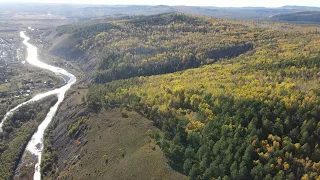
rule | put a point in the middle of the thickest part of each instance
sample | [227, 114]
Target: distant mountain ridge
[87, 11]
[301, 7]
[306, 16]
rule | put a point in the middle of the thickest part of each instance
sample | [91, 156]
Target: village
[9, 62]
[16, 77]
[8, 57]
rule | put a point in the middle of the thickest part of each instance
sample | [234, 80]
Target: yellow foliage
[279, 160]
[256, 162]
[194, 126]
[276, 144]
[305, 177]
[297, 145]
[163, 109]
[316, 167]
[269, 149]
[264, 143]
[286, 166]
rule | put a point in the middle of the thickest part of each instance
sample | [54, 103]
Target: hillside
[110, 144]
[148, 45]
[231, 99]
[306, 16]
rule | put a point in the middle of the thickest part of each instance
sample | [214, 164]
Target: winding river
[35, 145]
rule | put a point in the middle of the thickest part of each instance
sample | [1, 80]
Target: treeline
[166, 19]
[17, 131]
[85, 30]
[115, 65]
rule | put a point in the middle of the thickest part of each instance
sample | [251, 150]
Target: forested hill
[307, 16]
[148, 45]
[234, 99]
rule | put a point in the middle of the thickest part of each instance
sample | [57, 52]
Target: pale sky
[219, 3]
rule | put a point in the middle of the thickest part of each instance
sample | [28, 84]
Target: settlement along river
[35, 145]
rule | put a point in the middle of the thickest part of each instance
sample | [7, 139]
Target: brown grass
[112, 146]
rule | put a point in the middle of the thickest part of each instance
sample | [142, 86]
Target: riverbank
[17, 131]
[35, 145]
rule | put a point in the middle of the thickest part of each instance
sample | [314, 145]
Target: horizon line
[68, 3]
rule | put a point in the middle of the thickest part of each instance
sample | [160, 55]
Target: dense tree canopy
[251, 111]
[159, 44]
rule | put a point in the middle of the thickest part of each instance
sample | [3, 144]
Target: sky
[219, 3]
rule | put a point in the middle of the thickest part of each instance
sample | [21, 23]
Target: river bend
[35, 145]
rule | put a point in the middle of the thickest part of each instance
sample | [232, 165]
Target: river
[35, 145]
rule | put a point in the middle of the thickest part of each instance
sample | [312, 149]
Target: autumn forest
[233, 99]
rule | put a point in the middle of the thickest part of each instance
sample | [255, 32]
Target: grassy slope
[125, 142]
[130, 151]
